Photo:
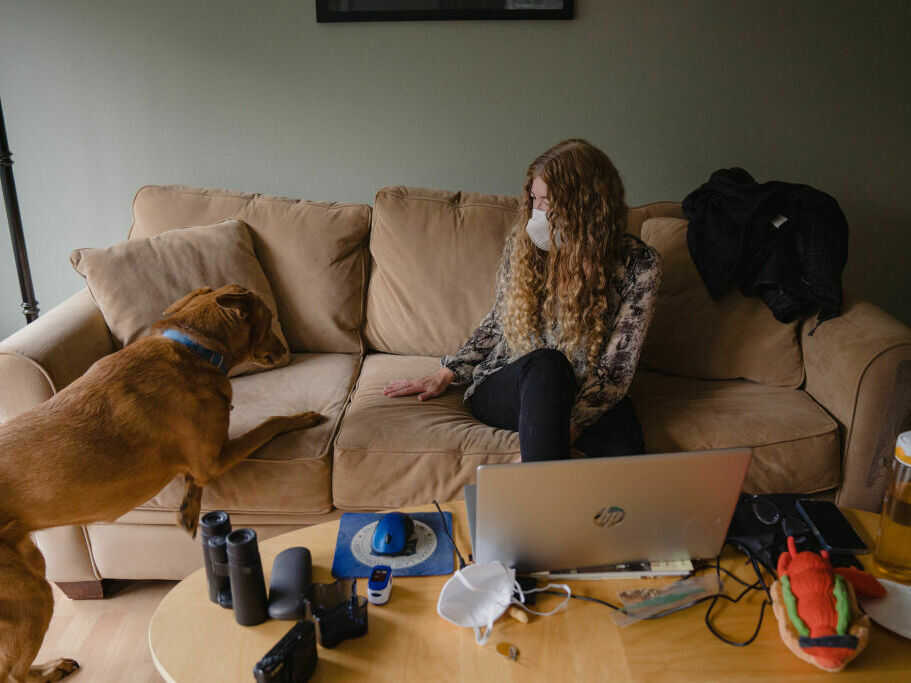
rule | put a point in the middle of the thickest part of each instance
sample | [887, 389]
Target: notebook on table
[591, 517]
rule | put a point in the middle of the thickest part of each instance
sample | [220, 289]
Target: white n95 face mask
[538, 228]
[479, 594]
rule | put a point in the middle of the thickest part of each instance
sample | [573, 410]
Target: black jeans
[534, 395]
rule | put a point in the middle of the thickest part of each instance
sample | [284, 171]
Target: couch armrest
[851, 364]
[25, 385]
[67, 554]
[55, 349]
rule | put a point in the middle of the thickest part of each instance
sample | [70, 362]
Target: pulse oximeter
[379, 585]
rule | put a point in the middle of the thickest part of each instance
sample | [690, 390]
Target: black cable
[586, 598]
[620, 609]
[451, 539]
[736, 578]
[759, 584]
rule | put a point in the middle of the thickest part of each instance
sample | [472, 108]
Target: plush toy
[816, 607]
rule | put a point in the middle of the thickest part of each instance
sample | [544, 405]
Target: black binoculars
[214, 528]
[233, 568]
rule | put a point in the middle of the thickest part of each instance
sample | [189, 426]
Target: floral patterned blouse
[635, 286]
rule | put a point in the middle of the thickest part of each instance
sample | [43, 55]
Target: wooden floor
[109, 638]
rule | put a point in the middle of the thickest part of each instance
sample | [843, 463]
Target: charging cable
[759, 584]
[462, 563]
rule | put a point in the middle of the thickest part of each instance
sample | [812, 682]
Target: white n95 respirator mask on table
[538, 229]
[479, 594]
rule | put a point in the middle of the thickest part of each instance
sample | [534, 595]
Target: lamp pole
[29, 304]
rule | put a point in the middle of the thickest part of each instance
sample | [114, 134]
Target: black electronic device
[761, 525]
[289, 586]
[339, 612]
[830, 527]
[292, 659]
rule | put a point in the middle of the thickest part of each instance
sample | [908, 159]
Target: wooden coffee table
[193, 640]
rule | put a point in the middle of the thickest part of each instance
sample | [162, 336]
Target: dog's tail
[188, 513]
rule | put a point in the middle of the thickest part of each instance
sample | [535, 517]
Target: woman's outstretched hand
[430, 386]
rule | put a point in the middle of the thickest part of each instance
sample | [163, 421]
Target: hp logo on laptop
[611, 516]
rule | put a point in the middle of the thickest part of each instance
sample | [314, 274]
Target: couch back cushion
[313, 254]
[692, 335]
[133, 282]
[434, 262]
[639, 214]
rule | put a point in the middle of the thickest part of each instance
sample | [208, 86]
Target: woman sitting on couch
[555, 356]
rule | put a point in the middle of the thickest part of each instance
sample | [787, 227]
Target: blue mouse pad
[354, 559]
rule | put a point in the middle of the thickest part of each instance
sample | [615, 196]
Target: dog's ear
[237, 299]
[184, 300]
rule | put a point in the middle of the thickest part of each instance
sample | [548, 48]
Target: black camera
[214, 528]
[293, 658]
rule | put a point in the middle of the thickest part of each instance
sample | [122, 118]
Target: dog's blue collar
[214, 357]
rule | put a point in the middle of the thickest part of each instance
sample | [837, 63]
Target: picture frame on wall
[431, 10]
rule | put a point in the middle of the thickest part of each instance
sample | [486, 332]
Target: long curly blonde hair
[570, 284]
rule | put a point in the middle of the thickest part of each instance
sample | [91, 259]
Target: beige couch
[367, 294]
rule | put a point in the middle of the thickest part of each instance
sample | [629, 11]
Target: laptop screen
[598, 511]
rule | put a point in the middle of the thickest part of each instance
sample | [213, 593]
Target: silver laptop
[584, 513]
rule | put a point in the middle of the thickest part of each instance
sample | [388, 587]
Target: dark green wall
[102, 97]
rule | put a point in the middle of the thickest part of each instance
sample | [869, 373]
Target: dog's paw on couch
[188, 514]
[306, 420]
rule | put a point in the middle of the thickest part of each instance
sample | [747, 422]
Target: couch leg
[82, 590]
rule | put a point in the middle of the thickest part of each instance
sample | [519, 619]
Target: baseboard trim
[82, 590]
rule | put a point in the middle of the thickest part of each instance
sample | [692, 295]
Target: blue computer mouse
[392, 534]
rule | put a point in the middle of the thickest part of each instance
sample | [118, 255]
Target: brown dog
[113, 438]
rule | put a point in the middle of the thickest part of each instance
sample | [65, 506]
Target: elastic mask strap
[481, 638]
[517, 588]
[561, 586]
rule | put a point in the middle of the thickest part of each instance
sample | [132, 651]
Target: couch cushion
[314, 254]
[436, 251]
[135, 281]
[639, 214]
[291, 474]
[693, 335]
[392, 452]
[795, 443]
[435, 257]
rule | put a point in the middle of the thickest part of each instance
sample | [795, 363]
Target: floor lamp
[29, 304]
